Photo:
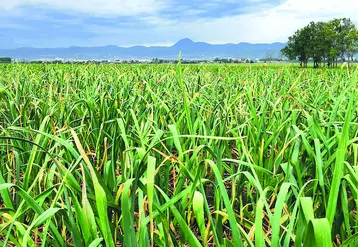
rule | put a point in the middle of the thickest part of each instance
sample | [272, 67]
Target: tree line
[324, 42]
[5, 60]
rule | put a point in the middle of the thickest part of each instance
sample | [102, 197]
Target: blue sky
[55, 23]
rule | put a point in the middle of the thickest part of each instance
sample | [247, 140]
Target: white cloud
[271, 25]
[95, 7]
[266, 26]
[320, 7]
[262, 25]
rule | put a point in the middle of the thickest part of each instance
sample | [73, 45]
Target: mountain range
[189, 49]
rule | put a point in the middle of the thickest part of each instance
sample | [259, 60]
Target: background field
[166, 155]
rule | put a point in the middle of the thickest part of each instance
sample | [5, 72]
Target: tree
[352, 47]
[321, 43]
[5, 60]
[298, 47]
[330, 37]
[344, 32]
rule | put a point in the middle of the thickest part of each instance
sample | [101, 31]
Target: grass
[186, 155]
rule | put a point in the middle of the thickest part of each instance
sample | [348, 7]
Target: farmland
[178, 155]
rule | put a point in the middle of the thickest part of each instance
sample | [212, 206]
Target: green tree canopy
[5, 60]
[323, 42]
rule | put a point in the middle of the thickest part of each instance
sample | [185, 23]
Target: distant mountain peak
[184, 42]
[111, 46]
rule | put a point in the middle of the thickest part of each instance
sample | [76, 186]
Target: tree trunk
[348, 61]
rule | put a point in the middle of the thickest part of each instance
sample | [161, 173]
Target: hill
[189, 48]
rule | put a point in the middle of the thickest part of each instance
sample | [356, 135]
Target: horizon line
[147, 46]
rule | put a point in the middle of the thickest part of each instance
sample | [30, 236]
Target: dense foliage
[324, 42]
[191, 155]
[5, 60]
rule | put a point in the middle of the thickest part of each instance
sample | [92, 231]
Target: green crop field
[170, 155]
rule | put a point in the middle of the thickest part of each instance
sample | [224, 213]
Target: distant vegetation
[153, 61]
[324, 42]
[5, 60]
